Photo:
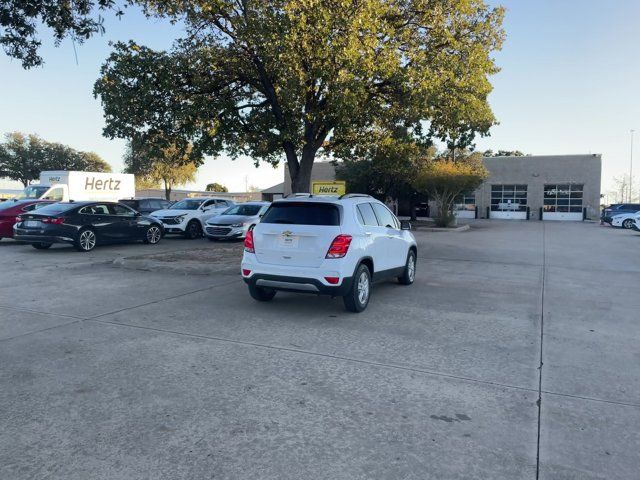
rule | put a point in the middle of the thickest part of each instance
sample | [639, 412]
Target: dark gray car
[235, 221]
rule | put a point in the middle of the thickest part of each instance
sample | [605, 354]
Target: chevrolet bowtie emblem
[287, 233]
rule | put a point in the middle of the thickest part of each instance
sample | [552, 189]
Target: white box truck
[63, 186]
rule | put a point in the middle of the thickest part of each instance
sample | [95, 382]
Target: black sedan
[85, 225]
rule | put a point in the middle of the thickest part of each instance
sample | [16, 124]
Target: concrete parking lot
[515, 355]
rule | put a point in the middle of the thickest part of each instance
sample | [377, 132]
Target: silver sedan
[235, 221]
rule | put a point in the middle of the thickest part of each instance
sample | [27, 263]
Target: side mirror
[405, 225]
[138, 214]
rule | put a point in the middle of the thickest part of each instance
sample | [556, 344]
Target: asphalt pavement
[513, 356]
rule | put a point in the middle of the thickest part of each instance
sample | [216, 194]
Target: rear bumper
[6, 228]
[42, 239]
[299, 284]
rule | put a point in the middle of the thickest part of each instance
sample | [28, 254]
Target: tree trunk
[25, 183]
[412, 208]
[167, 190]
[301, 177]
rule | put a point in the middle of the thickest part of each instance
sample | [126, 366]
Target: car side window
[95, 210]
[366, 213]
[56, 195]
[143, 204]
[384, 216]
[209, 203]
[120, 210]
[222, 203]
[33, 206]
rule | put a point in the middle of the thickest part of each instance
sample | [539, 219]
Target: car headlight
[180, 218]
[236, 225]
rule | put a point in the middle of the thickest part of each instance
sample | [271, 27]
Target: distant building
[321, 171]
[273, 193]
[540, 187]
[534, 187]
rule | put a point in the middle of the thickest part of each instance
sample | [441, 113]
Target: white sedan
[626, 220]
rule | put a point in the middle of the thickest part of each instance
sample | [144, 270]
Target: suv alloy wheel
[358, 297]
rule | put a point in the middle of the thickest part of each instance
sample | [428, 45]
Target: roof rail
[354, 195]
[299, 195]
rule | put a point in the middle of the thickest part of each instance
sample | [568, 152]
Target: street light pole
[631, 170]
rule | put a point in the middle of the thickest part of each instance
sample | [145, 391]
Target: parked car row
[87, 224]
[622, 215]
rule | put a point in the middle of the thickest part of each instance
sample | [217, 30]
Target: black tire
[41, 246]
[193, 230]
[153, 234]
[409, 274]
[86, 240]
[261, 294]
[360, 292]
[628, 224]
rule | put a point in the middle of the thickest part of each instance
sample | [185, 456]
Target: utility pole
[631, 170]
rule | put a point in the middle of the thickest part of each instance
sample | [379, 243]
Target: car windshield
[186, 204]
[56, 208]
[302, 214]
[246, 210]
[32, 191]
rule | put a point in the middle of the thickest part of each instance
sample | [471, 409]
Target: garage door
[465, 206]
[563, 202]
[508, 202]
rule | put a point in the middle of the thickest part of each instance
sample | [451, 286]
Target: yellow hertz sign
[328, 188]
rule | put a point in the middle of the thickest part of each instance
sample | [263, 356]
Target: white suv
[187, 216]
[327, 245]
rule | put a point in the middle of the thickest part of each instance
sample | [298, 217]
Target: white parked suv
[187, 216]
[327, 245]
[625, 220]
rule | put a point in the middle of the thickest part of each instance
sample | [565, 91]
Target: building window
[563, 198]
[465, 202]
[508, 198]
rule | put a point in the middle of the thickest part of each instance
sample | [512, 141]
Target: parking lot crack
[164, 299]
[540, 361]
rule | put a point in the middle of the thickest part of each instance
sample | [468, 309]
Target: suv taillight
[339, 247]
[53, 220]
[248, 242]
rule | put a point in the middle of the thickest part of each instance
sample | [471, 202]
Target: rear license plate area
[288, 241]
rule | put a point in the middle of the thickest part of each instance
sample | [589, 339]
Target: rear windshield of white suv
[302, 213]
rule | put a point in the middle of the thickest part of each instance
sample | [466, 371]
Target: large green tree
[160, 163]
[296, 79]
[23, 157]
[216, 187]
[21, 19]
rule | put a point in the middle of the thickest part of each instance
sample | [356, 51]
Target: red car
[10, 209]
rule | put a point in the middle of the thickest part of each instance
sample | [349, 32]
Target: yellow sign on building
[326, 187]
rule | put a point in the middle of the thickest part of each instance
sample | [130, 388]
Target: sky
[568, 85]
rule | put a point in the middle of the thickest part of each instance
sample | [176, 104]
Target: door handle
[367, 233]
